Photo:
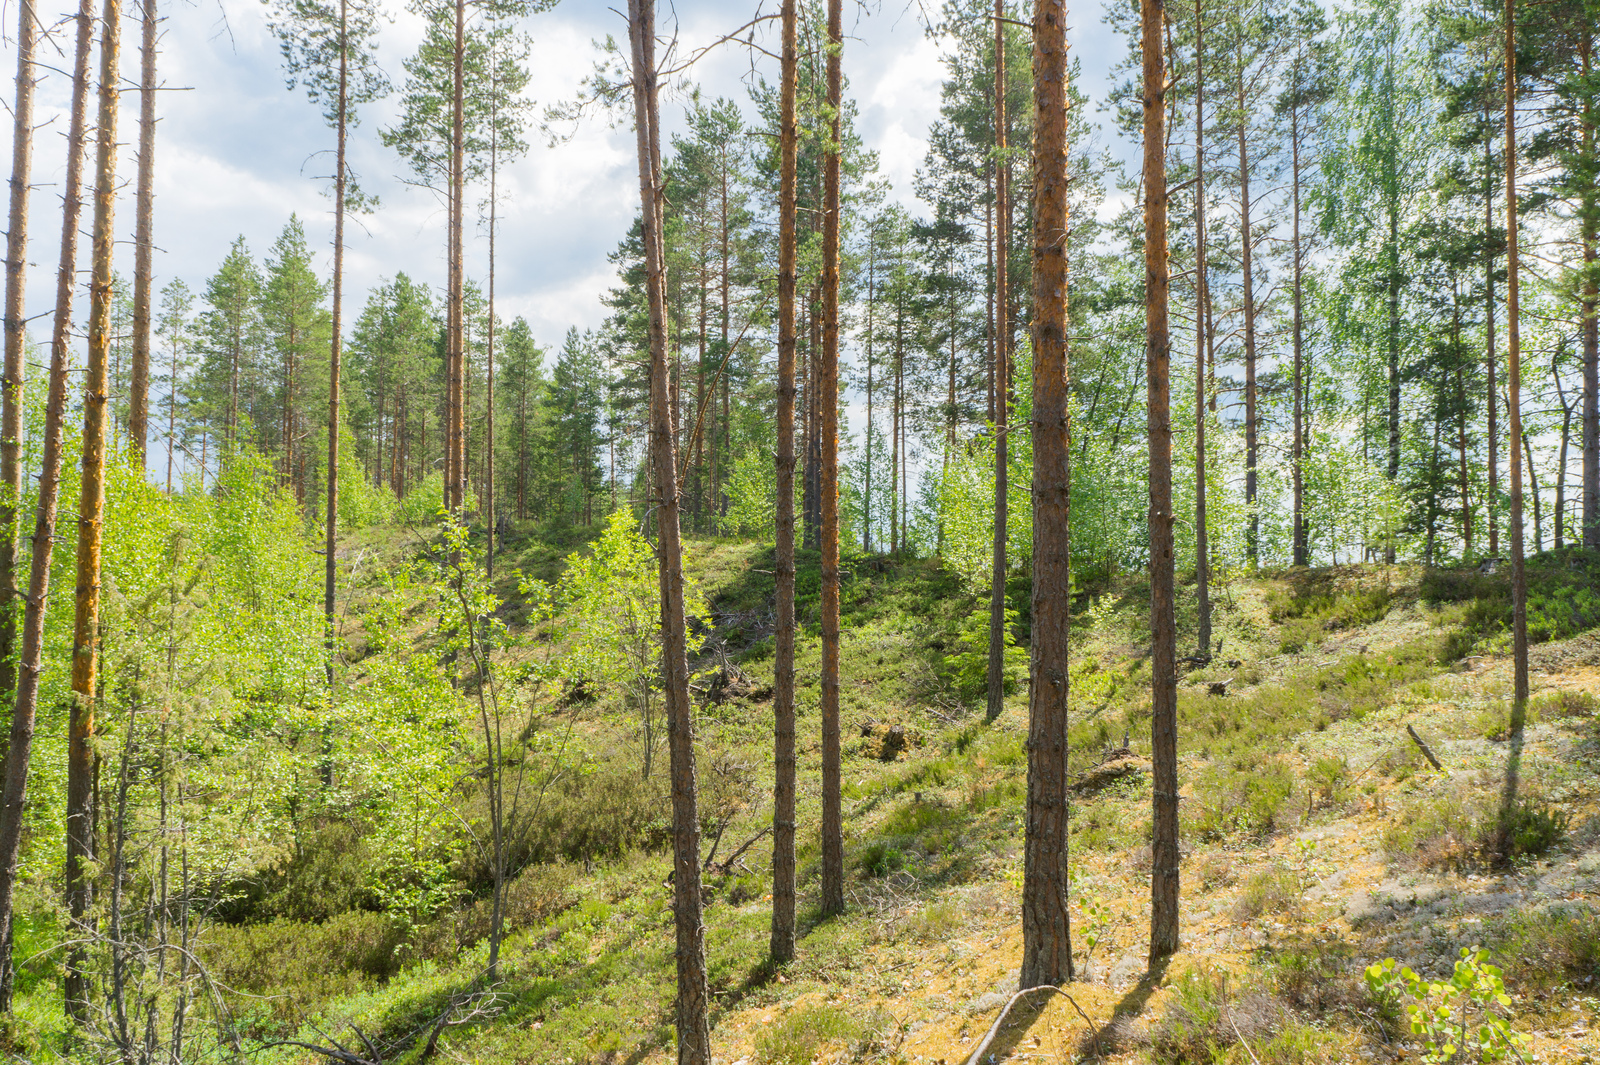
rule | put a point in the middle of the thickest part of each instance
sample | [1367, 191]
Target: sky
[237, 151]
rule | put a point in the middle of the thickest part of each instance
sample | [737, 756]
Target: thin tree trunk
[1519, 576]
[872, 278]
[1301, 556]
[144, 247]
[1533, 487]
[455, 433]
[1561, 476]
[489, 530]
[172, 406]
[81, 761]
[1202, 317]
[16, 328]
[19, 747]
[694, 1033]
[1590, 287]
[781, 946]
[828, 408]
[1158, 357]
[330, 570]
[1046, 920]
[1490, 358]
[1002, 375]
[1252, 543]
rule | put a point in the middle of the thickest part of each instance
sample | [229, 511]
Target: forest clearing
[1111, 574]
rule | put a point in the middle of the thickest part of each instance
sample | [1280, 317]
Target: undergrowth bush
[290, 968]
[1461, 828]
[1550, 946]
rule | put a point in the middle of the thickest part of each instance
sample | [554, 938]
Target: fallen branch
[994, 1029]
[727, 865]
[1423, 747]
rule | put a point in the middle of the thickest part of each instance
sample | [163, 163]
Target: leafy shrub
[1471, 1009]
[328, 873]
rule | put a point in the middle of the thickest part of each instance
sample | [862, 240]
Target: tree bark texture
[1202, 545]
[1158, 358]
[1002, 374]
[31, 664]
[91, 509]
[694, 1033]
[783, 790]
[143, 239]
[330, 572]
[1046, 922]
[828, 411]
[11, 391]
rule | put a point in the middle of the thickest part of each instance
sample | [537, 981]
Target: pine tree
[81, 758]
[1046, 921]
[20, 741]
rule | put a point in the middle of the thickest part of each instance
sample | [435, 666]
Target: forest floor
[1317, 839]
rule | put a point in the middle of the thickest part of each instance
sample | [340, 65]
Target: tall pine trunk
[828, 482]
[1590, 297]
[1491, 359]
[1002, 374]
[489, 529]
[1252, 543]
[1300, 553]
[1046, 921]
[781, 947]
[20, 744]
[144, 238]
[1158, 359]
[455, 432]
[1202, 539]
[330, 571]
[91, 510]
[1519, 576]
[694, 1033]
[11, 394]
